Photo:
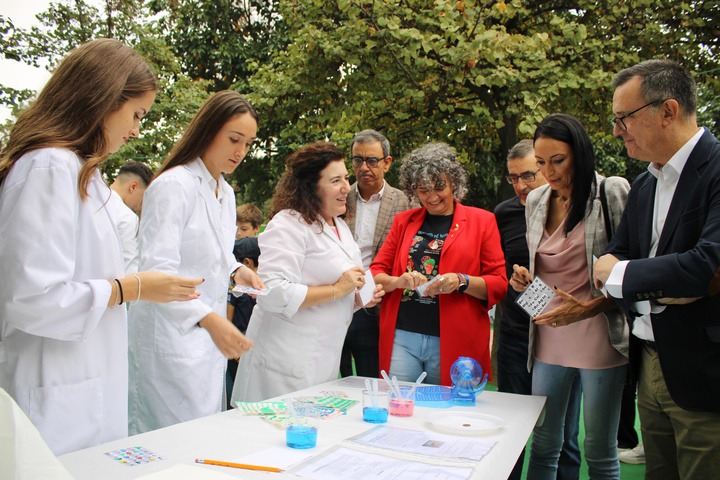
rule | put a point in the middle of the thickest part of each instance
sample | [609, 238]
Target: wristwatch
[463, 285]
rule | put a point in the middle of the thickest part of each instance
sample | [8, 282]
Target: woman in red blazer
[458, 244]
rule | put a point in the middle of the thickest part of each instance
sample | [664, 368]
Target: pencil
[238, 465]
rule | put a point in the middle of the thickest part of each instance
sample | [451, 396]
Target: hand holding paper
[367, 292]
[535, 297]
[351, 280]
[422, 288]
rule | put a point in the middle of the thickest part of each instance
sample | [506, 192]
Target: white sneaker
[636, 456]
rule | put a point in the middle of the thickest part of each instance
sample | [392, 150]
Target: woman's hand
[520, 278]
[446, 283]
[246, 276]
[226, 336]
[573, 310]
[349, 281]
[379, 293]
[410, 280]
[159, 287]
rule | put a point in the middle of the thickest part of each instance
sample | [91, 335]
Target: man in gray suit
[375, 205]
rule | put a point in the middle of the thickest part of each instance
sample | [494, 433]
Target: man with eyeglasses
[514, 325]
[660, 266]
[375, 205]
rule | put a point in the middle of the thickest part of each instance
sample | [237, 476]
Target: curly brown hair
[297, 189]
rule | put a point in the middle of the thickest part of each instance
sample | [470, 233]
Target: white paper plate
[469, 423]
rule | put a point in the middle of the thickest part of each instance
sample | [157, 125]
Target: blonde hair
[92, 81]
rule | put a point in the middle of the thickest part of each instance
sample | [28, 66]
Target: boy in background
[249, 219]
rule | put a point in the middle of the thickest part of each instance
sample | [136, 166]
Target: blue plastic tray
[434, 396]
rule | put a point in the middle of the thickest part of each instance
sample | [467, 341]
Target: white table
[229, 435]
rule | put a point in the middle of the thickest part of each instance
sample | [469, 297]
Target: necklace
[564, 202]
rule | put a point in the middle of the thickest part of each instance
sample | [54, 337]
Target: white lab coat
[176, 371]
[296, 348]
[127, 223]
[63, 355]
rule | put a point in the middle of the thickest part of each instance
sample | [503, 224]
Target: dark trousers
[627, 436]
[513, 377]
[361, 343]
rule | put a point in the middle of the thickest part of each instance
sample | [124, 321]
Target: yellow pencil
[238, 465]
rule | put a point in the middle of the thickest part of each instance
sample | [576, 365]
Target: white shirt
[365, 222]
[667, 180]
[127, 223]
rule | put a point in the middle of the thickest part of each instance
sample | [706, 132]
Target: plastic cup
[402, 407]
[301, 436]
[375, 406]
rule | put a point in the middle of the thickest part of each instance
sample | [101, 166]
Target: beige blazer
[596, 240]
[393, 201]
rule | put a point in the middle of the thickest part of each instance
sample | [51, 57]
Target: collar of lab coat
[345, 242]
[97, 188]
[199, 170]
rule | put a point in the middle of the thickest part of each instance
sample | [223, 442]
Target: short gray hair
[663, 80]
[521, 149]
[429, 165]
[369, 136]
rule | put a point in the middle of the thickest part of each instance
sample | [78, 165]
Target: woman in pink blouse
[581, 336]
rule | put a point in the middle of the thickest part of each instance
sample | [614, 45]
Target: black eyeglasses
[526, 177]
[620, 121]
[372, 162]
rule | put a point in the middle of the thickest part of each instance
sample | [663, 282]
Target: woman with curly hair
[310, 261]
[443, 237]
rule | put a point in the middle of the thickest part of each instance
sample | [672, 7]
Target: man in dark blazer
[660, 265]
[372, 205]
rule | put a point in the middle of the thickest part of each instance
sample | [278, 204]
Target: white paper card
[423, 443]
[341, 463]
[421, 288]
[535, 297]
[240, 289]
[279, 457]
[368, 291]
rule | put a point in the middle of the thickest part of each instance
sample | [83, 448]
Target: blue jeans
[414, 353]
[513, 377]
[602, 391]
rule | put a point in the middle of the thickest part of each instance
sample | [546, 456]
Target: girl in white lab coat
[63, 338]
[178, 352]
[310, 261]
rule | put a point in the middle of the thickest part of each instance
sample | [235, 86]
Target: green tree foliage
[478, 75]
[65, 26]
[223, 43]
[11, 40]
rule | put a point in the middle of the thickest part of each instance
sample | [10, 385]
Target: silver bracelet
[139, 287]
